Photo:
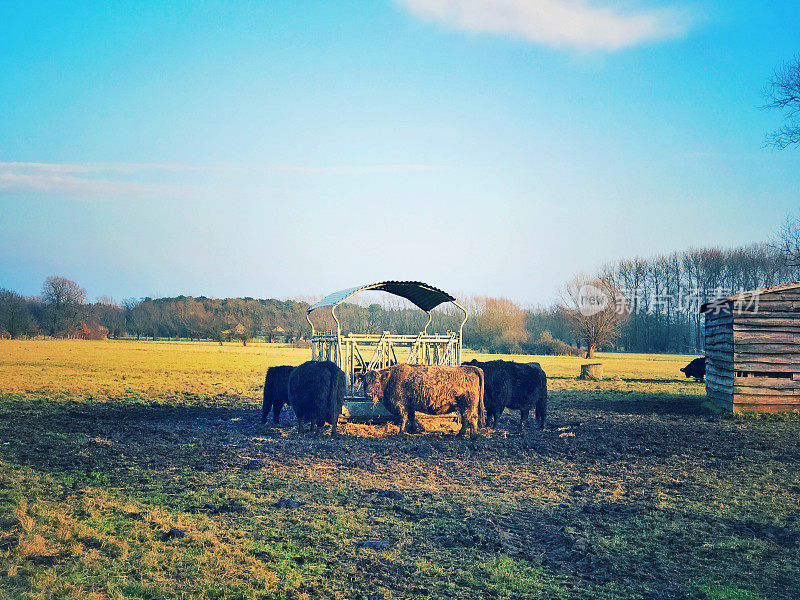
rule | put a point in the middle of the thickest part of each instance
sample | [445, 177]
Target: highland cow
[316, 393]
[513, 385]
[431, 389]
[696, 369]
[276, 392]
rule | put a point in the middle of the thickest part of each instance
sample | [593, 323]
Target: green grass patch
[635, 487]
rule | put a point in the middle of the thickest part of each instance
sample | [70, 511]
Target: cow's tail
[337, 391]
[264, 408]
[481, 407]
[541, 406]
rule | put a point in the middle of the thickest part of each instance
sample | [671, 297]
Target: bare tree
[64, 299]
[595, 310]
[789, 241]
[58, 291]
[497, 325]
[783, 92]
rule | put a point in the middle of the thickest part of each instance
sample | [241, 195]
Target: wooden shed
[752, 345]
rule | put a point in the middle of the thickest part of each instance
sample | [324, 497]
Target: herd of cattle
[478, 391]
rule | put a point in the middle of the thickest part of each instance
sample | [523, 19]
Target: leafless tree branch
[782, 92]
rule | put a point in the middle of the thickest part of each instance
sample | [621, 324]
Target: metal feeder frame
[350, 351]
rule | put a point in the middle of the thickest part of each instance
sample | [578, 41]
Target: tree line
[495, 324]
[658, 312]
[663, 294]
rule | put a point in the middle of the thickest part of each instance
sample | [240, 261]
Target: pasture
[141, 470]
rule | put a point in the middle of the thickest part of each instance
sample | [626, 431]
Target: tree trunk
[592, 372]
[590, 352]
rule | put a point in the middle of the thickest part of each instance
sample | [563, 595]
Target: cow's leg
[474, 418]
[403, 418]
[265, 408]
[462, 413]
[523, 419]
[335, 412]
[300, 426]
[463, 429]
[276, 412]
[541, 411]
[412, 421]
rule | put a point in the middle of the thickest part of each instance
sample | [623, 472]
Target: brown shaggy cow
[276, 392]
[431, 389]
[519, 386]
[316, 393]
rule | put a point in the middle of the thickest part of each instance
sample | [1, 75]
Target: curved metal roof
[420, 294]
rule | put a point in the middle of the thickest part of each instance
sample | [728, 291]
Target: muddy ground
[622, 496]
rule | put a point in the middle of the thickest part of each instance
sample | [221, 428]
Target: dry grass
[635, 488]
[145, 371]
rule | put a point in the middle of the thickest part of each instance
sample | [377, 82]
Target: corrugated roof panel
[422, 295]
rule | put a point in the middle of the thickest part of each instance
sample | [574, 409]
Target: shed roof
[748, 295]
[420, 294]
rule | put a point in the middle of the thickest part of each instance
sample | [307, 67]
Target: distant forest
[662, 293]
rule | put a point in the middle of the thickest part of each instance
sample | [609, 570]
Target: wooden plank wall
[767, 342]
[719, 359]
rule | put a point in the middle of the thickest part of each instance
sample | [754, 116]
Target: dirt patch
[619, 497]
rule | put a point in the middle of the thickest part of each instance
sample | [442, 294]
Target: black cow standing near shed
[696, 369]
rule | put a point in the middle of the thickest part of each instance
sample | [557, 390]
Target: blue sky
[284, 149]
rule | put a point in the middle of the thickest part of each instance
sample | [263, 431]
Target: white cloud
[577, 24]
[97, 180]
[70, 179]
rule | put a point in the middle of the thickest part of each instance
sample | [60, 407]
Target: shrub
[549, 346]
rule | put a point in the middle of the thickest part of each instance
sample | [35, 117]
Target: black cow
[696, 369]
[518, 386]
[316, 393]
[276, 392]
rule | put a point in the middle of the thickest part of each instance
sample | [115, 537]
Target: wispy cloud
[580, 24]
[97, 180]
[71, 179]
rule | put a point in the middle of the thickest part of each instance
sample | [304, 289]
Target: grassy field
[141, 470]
